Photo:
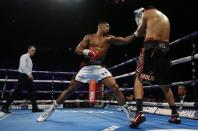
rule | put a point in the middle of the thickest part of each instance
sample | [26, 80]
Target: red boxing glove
[91, 53]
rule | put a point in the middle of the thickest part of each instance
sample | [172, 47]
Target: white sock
[55, 104]
[126, 111]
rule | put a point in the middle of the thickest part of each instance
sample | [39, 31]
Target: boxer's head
[31, 50]
[103, 27]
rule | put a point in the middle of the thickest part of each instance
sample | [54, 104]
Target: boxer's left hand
[92, 53]
[97, 54]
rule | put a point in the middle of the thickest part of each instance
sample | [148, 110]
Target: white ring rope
[173, 84]
[36, 81]
[43, 72]
[122, 89]
[184, 59]
[124, 63]
[125, 75]
[155, 104]
[46, 92]
[174, 62]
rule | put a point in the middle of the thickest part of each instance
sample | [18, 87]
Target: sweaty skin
[102, 41]
[155, 25]
[96, 42]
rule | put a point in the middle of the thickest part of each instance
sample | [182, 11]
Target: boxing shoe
[175, 119]
[46, 114]
[137, 120]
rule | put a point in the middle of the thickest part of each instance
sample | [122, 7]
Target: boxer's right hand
[90, 53]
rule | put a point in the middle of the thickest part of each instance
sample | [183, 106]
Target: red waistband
[154, 40]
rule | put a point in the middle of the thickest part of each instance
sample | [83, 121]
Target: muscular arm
[121, 40]
[82, 45]
[138, 33]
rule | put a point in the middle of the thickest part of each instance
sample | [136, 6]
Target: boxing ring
[104, 114]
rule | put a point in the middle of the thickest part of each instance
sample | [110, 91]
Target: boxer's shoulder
[87, 37]
[91, 36]
[110, 37]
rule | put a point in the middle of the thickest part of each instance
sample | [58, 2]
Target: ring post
[52, 94]
[4, 87]
[194, 71]
[92, 91]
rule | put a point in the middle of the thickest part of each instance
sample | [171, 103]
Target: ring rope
[193, 35]
[37, 81]
[122, 89]
[172, 84]
[160, 104]
[185, 38]
[44, 72]
[174, 62]
[123, 63]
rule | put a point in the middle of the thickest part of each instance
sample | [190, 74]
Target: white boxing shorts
[95, 72]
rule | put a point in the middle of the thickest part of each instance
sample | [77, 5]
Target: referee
[25, 81]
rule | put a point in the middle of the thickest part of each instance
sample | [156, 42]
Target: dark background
[55, 27]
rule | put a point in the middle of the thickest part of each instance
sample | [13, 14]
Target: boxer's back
[157, 25]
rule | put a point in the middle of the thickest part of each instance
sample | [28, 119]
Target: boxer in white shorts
[94, 47]
[95, 72]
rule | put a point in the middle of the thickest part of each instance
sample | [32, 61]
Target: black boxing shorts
[153, 66]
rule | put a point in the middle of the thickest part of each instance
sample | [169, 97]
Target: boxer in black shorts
[153, 65]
